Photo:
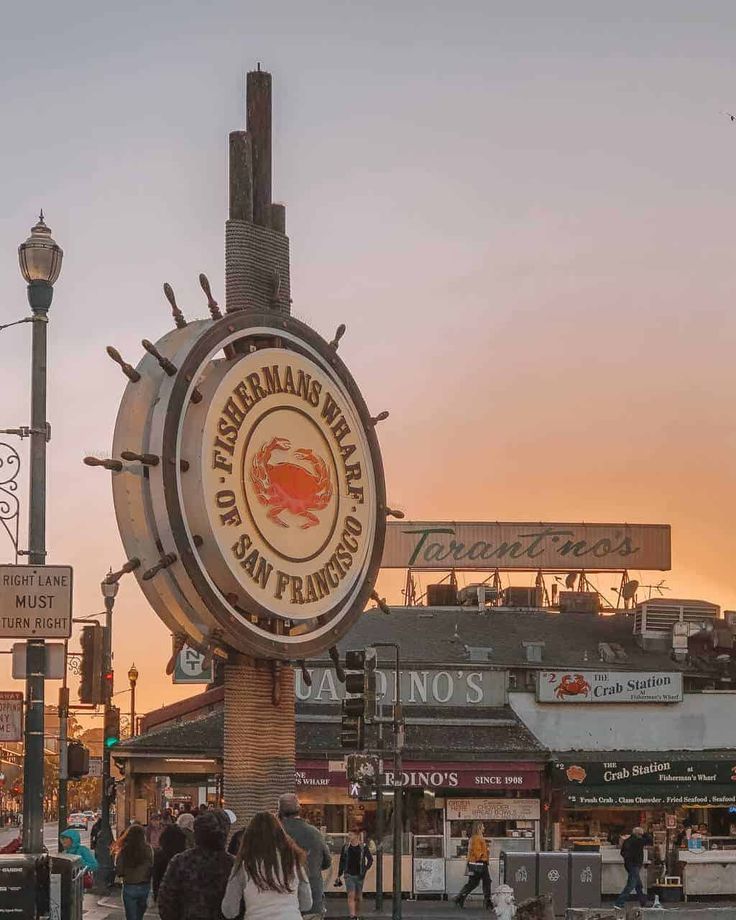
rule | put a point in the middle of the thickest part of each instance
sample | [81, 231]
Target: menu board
[492, 809]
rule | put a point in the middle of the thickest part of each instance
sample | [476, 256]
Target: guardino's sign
[478, 546]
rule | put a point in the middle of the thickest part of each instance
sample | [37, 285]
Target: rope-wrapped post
[260, 737]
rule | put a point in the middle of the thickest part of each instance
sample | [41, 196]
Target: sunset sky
[525, 214]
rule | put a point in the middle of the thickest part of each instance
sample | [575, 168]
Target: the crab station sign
[609, 687]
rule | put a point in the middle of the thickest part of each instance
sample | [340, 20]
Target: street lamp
[133, 679]
[40, 264]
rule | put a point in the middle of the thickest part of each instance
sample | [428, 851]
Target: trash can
[66, 886]
[554, 879]
[18, 885]
[585, 880]
[519, 870]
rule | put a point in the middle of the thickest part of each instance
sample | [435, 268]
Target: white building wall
[701, 722]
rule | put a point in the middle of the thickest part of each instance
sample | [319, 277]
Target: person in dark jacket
[195, 881]
[95, 833]
[632, 851]
[172, 841]
[355, 861]
[310, 840]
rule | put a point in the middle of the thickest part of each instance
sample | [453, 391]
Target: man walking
[310, 840]
[633, 854]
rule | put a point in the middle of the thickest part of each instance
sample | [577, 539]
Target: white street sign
[11, 716]
[35, 601]
[95, 766]
[54, 669]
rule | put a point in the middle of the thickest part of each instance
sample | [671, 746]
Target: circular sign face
[288, 484]
[259, 517]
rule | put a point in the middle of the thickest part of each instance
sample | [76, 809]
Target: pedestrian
[172, 841]
[477, 868]
[355, 861]
[195, 880]
[134, 864]
[95, 832]
[154, 829]
[310, 840]
[632, 851]
[185, 821]
[269, 874]
[72, 845]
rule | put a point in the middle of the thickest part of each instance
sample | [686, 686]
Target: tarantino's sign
[609, 687]
[652, 772]
[288, 484]
[564, 547]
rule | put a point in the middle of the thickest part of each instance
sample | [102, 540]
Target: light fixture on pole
[133, 680]
[105, 872]
[40, 264]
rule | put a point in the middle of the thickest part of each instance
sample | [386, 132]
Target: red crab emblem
[572, 686]
[287, 486]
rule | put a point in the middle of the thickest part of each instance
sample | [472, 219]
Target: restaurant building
[556, 730]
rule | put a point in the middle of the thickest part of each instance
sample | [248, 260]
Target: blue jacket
[76, 849]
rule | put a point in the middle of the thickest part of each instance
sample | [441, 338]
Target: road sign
[11, 716]
[95, 766]
[35, 601]
[190, 668]
[54, 669]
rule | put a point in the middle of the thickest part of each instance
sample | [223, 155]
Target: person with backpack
[134, 864]
[632, 851]
[355, 861]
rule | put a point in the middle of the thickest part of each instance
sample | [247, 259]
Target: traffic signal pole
[103, 876]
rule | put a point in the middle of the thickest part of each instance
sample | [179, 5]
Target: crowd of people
[196, 869]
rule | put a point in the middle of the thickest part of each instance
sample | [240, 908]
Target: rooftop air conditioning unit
[657, 616]
[443, 595]
[477, 595]
[523, 597]
[579, 602]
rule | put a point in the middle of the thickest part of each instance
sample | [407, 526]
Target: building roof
[459, 634]
[496, 733]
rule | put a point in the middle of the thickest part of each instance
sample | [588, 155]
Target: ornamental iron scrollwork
[9, 504]
[74, 663]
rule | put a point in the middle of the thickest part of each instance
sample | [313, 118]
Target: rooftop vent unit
[478, 595]
[523, 597]
[579, 602]
[479, 652]
[658, 616]
[442, 595]
[534, 650]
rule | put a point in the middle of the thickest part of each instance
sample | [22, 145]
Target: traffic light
[112, 726]
[108, 679]
[93, 664]
[359, 708]
[77, 760]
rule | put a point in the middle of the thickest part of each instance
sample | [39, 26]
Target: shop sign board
[11, 716]
[191, 667]
[645, 796]
[480, 546]
[609, 687]
[652, 772]
[492, 809]
[419, 775]
[35, 601]
[433, 687]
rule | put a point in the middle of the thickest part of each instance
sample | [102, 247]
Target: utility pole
[63, 750]
[40, 263]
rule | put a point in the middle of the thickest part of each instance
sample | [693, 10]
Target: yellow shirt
[477, 849]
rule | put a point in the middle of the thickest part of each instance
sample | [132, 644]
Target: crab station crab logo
[572, 685]
[288, 483]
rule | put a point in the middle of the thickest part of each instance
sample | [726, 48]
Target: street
[50, 838]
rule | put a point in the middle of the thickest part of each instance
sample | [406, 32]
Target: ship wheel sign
[249, 483]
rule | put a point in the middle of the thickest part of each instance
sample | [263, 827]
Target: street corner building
[557, 731]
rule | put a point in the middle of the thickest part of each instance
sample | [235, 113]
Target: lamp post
[40, 264]
[133, 679]
[104, 875]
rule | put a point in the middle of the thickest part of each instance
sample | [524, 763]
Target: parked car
[77, 820]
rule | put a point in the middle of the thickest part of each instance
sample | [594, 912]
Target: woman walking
[477, 867]
[172, 841]
[134, 864]
[269, 874]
